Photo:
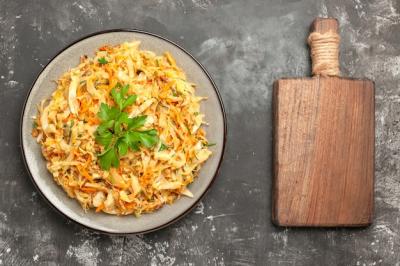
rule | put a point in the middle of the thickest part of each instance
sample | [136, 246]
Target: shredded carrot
[84, 173]
[100, 208]
[88, 189]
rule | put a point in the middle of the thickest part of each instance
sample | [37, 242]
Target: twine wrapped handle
[324, 43]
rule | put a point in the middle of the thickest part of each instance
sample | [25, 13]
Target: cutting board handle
[324, 43]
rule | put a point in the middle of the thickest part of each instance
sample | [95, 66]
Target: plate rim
[181, 215]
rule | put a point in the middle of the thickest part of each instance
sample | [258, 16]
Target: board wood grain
[323, 152]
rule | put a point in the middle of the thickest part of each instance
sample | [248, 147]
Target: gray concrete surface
[245, 45]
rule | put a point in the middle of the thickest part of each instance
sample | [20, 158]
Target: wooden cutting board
[324, 131]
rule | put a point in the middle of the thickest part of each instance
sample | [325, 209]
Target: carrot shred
[100, 208]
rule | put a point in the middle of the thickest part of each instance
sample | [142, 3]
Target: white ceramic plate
[36, 165]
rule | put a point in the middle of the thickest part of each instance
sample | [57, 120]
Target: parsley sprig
[118, 133]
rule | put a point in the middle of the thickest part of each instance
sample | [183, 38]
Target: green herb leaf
[134, 146]
[117, 127]
[148, 138]
[137, 122]
[124, 89]
[117, 97]
[105, 127]
[118, 94]
[132, 139]
[104, 139]
[129, 101]
[108, 159]
[102, 61]
[122, 147]
[107, 113]
[124, 119]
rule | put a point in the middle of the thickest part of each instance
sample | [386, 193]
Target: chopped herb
[196, 113]
[163, 147]
[117, 132]
[187, 128]
[102, 61]
[35, 125]
[210, 144]
[71, 124]
[112, 179]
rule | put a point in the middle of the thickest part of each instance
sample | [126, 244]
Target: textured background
[245, 45]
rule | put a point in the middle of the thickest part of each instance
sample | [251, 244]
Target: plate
[55, 195]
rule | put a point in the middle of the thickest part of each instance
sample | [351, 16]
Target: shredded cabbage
[146, 179]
